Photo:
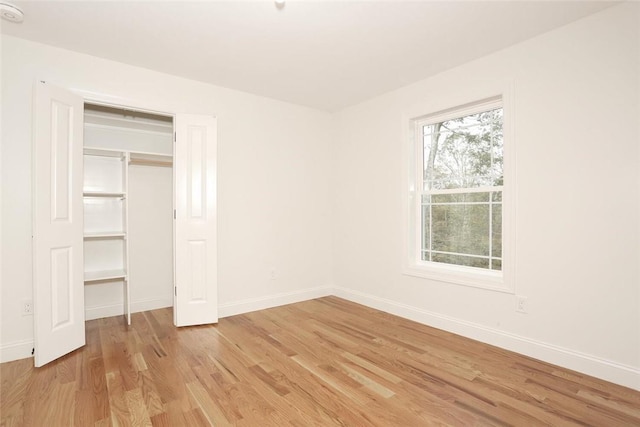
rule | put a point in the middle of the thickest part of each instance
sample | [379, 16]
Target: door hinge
[175, 136]
[174, 214]
[175, 290]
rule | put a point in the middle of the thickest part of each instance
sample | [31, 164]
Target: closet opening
[124, 216]
[128, 200]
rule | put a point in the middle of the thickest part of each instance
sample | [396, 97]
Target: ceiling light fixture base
[11, 13]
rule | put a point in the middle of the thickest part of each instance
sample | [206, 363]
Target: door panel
[57, 223]
[61, 272]
[196, 297]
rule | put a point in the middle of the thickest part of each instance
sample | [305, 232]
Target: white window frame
[502, 281]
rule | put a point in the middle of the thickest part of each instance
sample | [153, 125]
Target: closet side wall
[150, 237]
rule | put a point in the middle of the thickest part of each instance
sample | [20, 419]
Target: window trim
[502, 281]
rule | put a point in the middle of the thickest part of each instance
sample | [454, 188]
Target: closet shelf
[104, 194]
[103, 234]
[130, 126]
[95, 276]
[103, 152]
[118, 152]
[147, 159]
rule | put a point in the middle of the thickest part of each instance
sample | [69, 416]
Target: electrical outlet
[27, 307]
[521, 304]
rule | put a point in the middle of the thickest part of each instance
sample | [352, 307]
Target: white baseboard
[109, 310]
[254, 304]
[16, 350]
[605, 369]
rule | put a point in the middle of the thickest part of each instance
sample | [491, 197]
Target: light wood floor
[326, 362]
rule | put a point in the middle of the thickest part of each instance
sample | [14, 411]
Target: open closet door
[196, 293]
[57, 223]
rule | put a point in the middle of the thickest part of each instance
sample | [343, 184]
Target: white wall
[576, 99]
[273, 193]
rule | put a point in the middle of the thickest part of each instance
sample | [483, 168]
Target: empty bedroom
[319, 213]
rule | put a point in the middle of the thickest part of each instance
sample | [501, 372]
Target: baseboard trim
[151, 304]
[109, 310]
[601, 368]
[16, 350]
[270, 301]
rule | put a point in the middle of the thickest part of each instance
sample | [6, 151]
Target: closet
[124, 215]
[128, 211]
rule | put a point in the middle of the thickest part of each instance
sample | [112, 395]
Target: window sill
[464, 276]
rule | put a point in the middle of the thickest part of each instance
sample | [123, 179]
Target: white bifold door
[58, 264]
[195, 299]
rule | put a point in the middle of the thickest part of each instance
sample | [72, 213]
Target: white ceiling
[322, 54]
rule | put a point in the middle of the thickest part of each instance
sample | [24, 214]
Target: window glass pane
[425, 256]
[496, 225]
[496, 264]
[460, 228]
[425, 227]
[461, 260]
[465, 152]
[497, 147]
[496, 196]
[460, 198]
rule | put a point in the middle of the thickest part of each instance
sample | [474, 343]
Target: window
[457, 197]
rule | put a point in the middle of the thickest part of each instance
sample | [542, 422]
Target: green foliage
[465, 152]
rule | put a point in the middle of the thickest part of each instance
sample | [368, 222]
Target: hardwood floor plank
[39, 399]
[177, 413]
[211, 412]
[150, 395]
[370, 367]
[120, 414]
[368, 382]
[317, 372]
[15, 378]
[92, 395]
[168, 383]
[160, 420]
[137, 409]
[270, 381]
[220, 392]
[324, 362]
[604, 400]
